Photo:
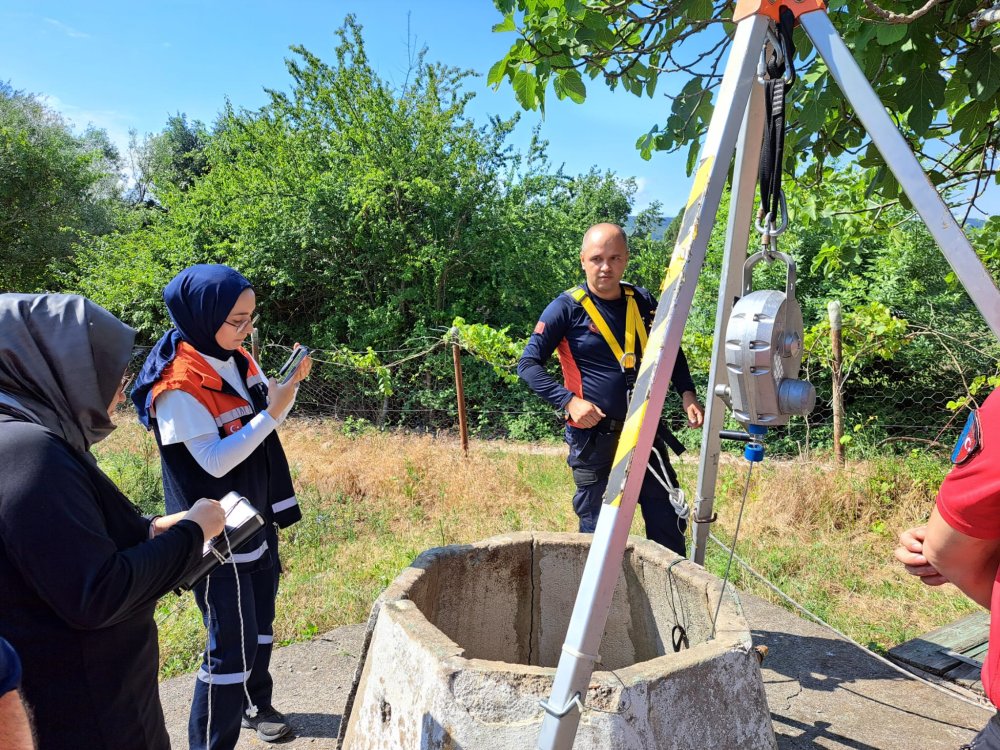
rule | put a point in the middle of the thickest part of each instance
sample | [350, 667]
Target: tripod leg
[737, 237]
[593, 601]
[897, 154]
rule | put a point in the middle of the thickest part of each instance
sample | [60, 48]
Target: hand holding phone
[288, 370]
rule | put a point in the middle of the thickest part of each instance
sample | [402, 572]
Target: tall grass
[825, 537]
[372, 501]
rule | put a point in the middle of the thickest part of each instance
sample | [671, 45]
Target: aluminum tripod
[738, 112]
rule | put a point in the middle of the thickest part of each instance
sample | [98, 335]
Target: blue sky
[130, 65]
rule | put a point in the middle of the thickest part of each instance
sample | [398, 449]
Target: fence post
[463, 426]
[833, 309]
[255, 344]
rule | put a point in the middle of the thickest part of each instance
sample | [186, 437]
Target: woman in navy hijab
[215, 416]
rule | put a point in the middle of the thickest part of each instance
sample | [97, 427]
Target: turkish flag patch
[230, 427]
[539, 327]
[969, 442]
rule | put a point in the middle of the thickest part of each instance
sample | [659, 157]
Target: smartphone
[291, 364]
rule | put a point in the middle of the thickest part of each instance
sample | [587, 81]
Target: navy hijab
[199, 300]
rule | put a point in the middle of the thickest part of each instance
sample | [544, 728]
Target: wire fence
[916, 399]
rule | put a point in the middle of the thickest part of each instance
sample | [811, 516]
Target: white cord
[675, 494]
[252, 710]
[208, 659]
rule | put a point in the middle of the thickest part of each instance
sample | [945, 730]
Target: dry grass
[372, 501]
[825, 536]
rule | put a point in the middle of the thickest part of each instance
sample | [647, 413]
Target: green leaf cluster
[55, 187]
[938, 74]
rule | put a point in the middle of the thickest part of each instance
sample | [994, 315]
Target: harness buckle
[627, 361]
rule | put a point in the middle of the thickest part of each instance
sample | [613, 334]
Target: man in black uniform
[599, 330]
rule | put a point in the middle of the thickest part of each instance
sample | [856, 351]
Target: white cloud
[67, 29]
[115, 124]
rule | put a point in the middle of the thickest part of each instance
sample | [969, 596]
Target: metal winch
[764, 352]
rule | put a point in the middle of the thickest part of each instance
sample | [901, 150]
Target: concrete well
[464, 643]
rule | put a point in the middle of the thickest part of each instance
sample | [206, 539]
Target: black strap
[679, 638]
[775, 88]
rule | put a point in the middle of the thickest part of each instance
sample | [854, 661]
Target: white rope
[809, 614]
[252, 711]
[674, 494]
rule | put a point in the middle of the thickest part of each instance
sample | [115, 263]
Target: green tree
[55, 187]
[937, 68]
[169, 160]
[366, 214]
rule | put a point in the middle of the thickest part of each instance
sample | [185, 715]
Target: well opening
[512, 602]
[464, 644]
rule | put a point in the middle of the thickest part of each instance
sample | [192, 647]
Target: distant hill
[657, 233]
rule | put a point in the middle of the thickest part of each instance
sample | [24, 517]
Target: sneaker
[269, 723]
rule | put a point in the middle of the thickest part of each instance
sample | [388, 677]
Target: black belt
[610, 425]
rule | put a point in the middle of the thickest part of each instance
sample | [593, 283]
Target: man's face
[604, 264]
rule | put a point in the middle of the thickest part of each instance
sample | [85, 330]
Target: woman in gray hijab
[80, 568]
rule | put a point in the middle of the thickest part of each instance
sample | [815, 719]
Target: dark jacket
[79, 581]
[590, 370]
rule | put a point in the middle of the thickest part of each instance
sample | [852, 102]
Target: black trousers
[591, 457]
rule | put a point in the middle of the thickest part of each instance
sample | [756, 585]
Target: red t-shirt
[969, 501]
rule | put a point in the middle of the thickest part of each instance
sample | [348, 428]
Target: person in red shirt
[961, 541]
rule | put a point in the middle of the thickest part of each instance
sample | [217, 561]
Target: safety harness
[635, 328]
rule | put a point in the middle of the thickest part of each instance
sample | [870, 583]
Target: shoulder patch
[539, 327]
[970, 442]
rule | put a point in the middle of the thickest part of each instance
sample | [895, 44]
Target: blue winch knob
[754, 452]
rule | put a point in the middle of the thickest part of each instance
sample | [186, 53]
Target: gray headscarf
[61, 361]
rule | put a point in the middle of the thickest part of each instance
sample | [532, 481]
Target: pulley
[764, 352]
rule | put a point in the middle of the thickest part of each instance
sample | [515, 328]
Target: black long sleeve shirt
[79, 581]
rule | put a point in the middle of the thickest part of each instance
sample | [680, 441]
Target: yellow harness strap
[633, 326]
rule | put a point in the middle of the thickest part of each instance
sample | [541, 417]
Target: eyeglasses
[248, 323]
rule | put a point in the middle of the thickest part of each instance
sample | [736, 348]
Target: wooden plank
[965, 675]
[977, 652]
[928, 651]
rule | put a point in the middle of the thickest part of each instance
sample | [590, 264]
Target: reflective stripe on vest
[634, 326]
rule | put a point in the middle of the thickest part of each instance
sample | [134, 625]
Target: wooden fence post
[463, 426]
[833, 309]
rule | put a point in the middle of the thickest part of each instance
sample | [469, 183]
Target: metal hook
[776, 48]
[766, 227]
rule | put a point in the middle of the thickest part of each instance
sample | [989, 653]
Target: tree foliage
[937, 69]
[366, 214]
[55, 187]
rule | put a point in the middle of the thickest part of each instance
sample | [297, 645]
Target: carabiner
[777, 48]
[767, 225]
